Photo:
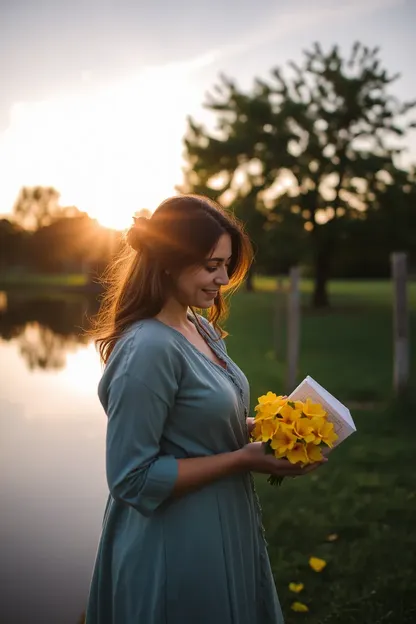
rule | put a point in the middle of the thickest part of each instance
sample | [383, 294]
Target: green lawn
[26, 280]
[366, 494]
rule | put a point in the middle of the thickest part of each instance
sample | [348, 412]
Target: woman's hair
[182, 232]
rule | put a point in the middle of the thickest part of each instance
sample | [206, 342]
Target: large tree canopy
[304, 155]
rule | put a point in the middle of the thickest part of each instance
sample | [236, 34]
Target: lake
[52, 471]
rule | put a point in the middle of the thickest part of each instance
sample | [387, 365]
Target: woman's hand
[250, 424]
[254, 459]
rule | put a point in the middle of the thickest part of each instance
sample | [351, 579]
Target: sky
[95, 93]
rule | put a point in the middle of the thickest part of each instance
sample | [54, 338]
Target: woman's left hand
[250, 424]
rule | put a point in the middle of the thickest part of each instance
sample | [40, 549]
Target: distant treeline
[41, 237]
[69, 244]
[72, 244]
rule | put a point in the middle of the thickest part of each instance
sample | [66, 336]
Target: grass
[366, 494]
[19, 280]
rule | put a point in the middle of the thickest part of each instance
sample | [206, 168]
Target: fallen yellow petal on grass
[296, 587]
[317, 564]
[299, 607]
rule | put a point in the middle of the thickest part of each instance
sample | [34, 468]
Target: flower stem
[273, 480]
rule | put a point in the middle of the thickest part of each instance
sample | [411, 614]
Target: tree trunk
[250, 280]
[320, 297]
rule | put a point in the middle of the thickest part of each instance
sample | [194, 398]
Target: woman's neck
[174, 314]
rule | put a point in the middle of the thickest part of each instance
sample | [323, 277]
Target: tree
[73, 244]
[390, 225]
[38, 206]
[310, 148]
[12, 244]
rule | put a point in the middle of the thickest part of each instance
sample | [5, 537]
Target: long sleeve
[138, 401]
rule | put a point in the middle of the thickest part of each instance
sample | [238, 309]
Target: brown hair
[182, 232]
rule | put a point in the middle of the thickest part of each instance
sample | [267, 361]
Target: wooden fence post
[400, 322]
[293, 329]
[279, 319]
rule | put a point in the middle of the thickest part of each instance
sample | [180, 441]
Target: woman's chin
[205, 303]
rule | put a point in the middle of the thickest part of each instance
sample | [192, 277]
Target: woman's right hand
[255, 459]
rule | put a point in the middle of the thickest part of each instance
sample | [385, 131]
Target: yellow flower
[264, 415]
[311, 409]
[317, 423]
[298, 405]
[256, 431]
[297, 454]
[296, 587]
[270, 407]
[324, 431]
[268, 429]
[313, 452]
[288, 414]
[263, 429]
[317, 564]
[283, 440]
[299, 607]
[304, 429]
[267, 398]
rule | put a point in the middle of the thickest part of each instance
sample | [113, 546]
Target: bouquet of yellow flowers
[293, 430]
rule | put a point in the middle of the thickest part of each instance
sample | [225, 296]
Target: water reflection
[45, 328]
[52, 437]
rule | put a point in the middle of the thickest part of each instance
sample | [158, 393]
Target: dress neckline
[205, 337]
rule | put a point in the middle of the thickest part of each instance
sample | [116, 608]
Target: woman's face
[198, 286]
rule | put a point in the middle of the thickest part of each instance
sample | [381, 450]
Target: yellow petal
[288, 414]
[311, 409]
[304, 429]
[296, 587]
[256, 432]
[318, 422]
[317, 564]
[262, 413]
[297, 454]
[264, 430]
[274, 408]
[313, 452]
[324, 430]
[267, 398]
[298, 405]
[283, 439]
[299, 607]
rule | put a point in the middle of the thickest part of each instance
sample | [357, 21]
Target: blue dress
[198, 558]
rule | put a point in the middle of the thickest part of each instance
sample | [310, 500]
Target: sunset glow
[110, 153]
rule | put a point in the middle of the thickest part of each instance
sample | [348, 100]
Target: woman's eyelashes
[212, 269]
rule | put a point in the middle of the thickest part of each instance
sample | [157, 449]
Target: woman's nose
[222, 279]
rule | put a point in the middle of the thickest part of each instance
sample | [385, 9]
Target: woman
[182, 538]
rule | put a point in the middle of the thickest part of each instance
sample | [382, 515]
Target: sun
[110, 153]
